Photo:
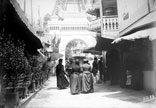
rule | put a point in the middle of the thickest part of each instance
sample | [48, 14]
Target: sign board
[129, 11]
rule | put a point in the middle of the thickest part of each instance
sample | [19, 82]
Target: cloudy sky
[45, 6]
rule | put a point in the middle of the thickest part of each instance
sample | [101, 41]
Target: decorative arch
[66, 39]
[77, 40]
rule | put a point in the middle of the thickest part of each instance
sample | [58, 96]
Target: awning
[148, 33]
[95, 12]
[104, 44]
[92, 51]
[19, 27]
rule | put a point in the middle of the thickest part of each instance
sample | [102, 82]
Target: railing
[110, 23]
[94, 25]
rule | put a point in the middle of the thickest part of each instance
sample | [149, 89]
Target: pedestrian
[95, 67]
[67, 68]
[101, 68]
[75, 80]
[128, 79]
[62, 81]
[87, 78]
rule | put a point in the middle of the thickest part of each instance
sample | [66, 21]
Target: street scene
[104, 96]
[77, 53]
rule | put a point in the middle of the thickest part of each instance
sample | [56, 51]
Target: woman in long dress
[62, 81]
[75, 81]
[95, 66]
[87, 78]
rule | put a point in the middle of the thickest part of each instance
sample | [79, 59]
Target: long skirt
[75, 83]
[87, 82]
[62, 81]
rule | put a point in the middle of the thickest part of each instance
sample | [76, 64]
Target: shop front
[138, 57]
[17, 42]
[137, 43]
[111, 59]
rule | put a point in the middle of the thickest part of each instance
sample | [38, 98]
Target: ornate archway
[88, 40]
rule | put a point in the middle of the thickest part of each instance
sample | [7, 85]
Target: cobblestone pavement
[105, 96]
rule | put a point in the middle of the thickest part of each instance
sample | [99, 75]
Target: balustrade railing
[110, 23]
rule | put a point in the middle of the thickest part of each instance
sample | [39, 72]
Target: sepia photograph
[77, 53]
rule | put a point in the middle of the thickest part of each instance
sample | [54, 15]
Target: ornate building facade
[69, 22]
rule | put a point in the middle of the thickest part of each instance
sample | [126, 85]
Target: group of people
[81, 77]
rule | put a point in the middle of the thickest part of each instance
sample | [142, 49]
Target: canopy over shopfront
[148, 33]
[104, 44]
[17, 25]
[92, 51]
[95, 12]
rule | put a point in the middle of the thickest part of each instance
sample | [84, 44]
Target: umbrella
[79, 57]
[92, 51]
[55, 56]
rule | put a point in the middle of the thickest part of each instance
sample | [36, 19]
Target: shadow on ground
[116, 92]
[50, 88]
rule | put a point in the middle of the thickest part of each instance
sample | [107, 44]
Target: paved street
[105, 96]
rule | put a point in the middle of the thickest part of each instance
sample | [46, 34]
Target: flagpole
[25, 7]
[39, 16]
[101, 17]
[31, 13]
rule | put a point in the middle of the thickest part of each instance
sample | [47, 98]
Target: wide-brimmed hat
[76, 61]
[85, 60]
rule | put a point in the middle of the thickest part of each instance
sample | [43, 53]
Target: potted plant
[13, 62]
[36, 71]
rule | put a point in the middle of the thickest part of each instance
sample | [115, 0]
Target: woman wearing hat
[87, 78]
[75, 81]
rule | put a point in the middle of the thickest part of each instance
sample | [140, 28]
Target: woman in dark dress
[75, 81]
[62, 81]
[87, 78]
[95, 66]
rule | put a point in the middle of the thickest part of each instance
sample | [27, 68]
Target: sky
[45, 6]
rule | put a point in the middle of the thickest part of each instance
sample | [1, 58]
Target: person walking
[95, 68]
[62, 81]
[75, 80]
[101, 68]
[87, 78]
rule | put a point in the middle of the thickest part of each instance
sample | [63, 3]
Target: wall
[150, 76]
[149, 81]
[0, 78]
[154, 64]
[128, 12]
[0, 85]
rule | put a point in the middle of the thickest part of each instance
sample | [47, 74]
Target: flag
[61, 4]
[54, 41]
[58, 42]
